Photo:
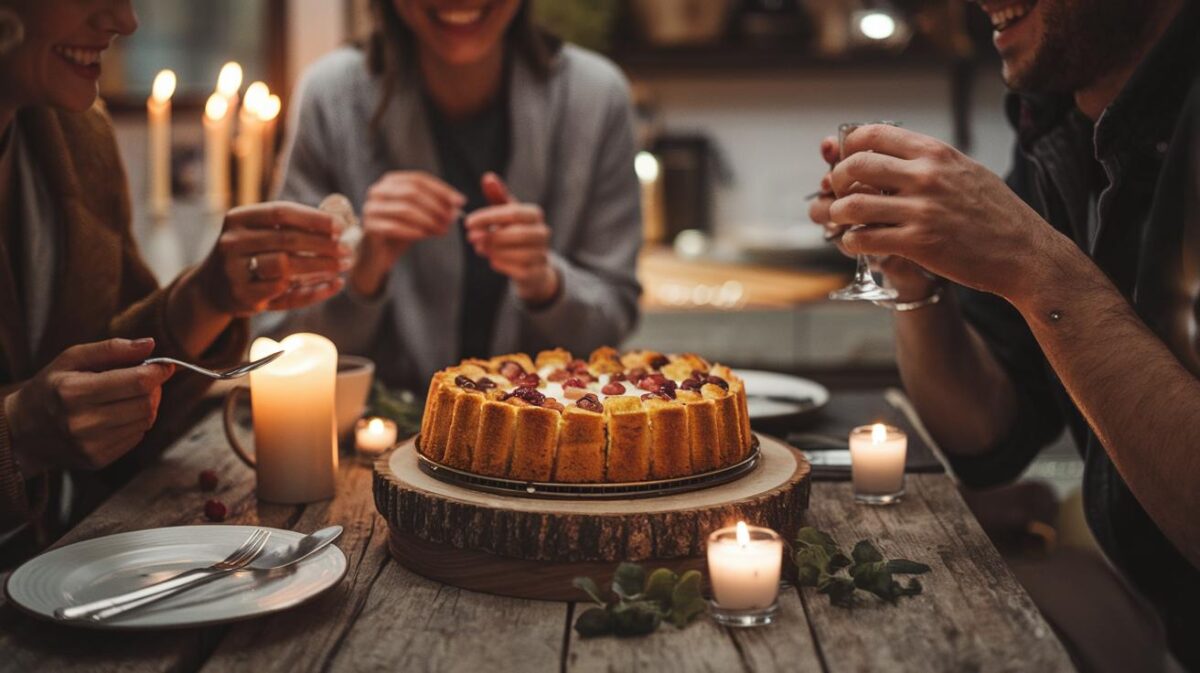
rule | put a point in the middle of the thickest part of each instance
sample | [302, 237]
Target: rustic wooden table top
[973, 616]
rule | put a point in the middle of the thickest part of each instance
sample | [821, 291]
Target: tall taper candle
[158, 114]
[216, 152]
[250, 144]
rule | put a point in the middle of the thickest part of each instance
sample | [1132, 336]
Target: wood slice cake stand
[532, 547]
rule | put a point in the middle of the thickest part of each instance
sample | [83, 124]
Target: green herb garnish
[402, 407]
[640, 602]
[819, 563]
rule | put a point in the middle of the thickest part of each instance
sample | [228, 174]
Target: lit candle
[293, 407]
[216, 152]
[158, 114]
[743, 567]
[250, 143]
[229, 82]
[877, 463]
[373, 436]
[268, 114]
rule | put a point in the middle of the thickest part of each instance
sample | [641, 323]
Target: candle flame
[268, 108]
[216, 107]
[230, 79]
[256, 94]
[743, 534]
[375, 425]
[164, 86]
[878, 433]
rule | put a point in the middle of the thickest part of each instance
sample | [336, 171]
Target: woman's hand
[515, 239]
[268, 254]
[88, 407]
[910, 280]
[403, 207]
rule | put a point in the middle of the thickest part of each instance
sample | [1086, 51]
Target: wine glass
[863, 287]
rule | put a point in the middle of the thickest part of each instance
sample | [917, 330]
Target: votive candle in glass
[877, 455]
[743, 566]
[373, 436]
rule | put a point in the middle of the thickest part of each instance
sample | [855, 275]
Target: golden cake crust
[558, 418]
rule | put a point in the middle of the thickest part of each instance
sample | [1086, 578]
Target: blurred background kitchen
[733, 98]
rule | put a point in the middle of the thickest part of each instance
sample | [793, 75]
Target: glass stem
[862, 273]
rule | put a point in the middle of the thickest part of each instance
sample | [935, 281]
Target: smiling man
[1084, 275]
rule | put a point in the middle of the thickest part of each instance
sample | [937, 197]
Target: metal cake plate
[626, 490]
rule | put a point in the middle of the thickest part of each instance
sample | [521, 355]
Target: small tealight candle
[373, 436]
[877, 463]
[743, 567]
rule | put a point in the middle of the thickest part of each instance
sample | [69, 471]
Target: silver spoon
[234, 373]
[273, 560]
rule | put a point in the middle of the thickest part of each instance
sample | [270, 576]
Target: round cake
[610, 419]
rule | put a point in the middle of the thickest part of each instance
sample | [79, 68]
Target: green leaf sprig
[819, 563]
[640, 602]
[402, 407]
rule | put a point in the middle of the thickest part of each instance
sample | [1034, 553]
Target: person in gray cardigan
[457, 261]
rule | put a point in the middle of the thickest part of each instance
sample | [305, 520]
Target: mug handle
[230, 403]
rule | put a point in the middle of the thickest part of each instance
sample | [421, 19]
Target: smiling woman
[71, 274]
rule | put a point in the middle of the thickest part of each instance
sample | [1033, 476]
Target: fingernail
[144, 341]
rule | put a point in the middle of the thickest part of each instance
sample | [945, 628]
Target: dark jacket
[1142, 157]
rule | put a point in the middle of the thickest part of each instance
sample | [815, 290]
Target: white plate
[110, 565]
[769, 395]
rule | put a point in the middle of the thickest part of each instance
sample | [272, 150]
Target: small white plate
[770, 395]
[110, 565]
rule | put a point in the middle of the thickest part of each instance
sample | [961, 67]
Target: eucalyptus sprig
[400, 407]
[819, 563]
[640, 602]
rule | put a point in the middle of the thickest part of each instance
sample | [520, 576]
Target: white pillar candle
[877, 459]
[743, 567]
[158, 122]
[293, 407]
[373, 436]
[250, 144]
[217, 137]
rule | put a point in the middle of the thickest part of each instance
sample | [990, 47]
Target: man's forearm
[1141, 402]
[963, 395]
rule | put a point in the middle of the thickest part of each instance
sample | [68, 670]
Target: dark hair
[392, 45]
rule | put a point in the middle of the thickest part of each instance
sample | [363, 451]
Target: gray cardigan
[572, 153]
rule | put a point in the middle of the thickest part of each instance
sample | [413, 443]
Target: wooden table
[973, 615]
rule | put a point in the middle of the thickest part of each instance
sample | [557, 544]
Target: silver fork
[234, 373]
[104, 608]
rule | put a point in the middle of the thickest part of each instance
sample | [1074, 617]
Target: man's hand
[951, 215]
[88, 407]
[515, 239]
[403, 207]
[911, 281]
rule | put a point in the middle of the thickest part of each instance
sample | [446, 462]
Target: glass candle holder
[743, 567]
[373, 436]
[877, 454]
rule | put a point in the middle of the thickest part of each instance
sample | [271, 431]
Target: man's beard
[1083, 40]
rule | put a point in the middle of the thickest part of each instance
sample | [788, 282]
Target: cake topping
[613, 387]
[558, 376]
[465, 383]
[692, 384]
[718, 381]
[511, 370]
[484, 383]
[527, 380]
[573, 382]
[590, 402]
[658, 362]
[528, 394]
[577, 367]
